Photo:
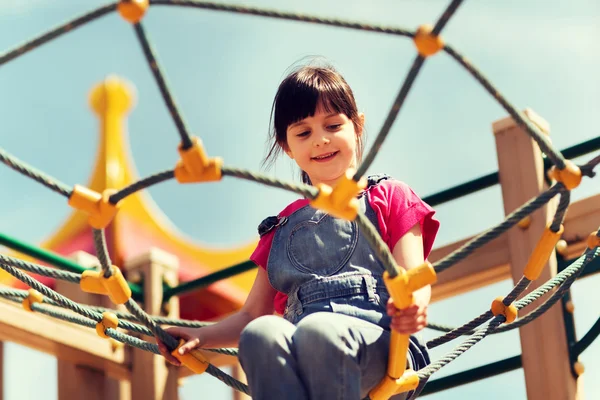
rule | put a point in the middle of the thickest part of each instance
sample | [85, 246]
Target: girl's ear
[361, 117]
[288, 151]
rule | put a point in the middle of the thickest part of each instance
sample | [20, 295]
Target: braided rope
[40, 270]
[38, 176]
[102, 252]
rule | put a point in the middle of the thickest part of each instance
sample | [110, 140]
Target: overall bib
[336, 312]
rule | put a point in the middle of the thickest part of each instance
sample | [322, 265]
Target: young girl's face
[324, 145]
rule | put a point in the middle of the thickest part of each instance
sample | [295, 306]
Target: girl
[318, 271]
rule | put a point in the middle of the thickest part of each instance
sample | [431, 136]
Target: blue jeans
[325, 356]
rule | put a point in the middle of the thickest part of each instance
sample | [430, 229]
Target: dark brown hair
[297, 98]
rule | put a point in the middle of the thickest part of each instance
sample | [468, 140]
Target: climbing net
[195, 167]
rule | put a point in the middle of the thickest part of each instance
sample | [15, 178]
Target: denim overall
[328, 271]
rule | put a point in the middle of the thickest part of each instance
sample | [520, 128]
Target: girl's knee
[263, 334]
[318, 328]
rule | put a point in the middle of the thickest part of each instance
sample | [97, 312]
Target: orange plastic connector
[541, 253]
[427, 44]
[101, 212]
[33, 297]
[570, 176]
[132, 10]
[194, 360]
[401, 288]
[525, 222]
[593, 240]
[115, 286]
[195, 166]
[389, 387]
[498, 308]
[341, 201]
[109, 320]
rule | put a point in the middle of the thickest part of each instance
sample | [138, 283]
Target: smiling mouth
[325, 157]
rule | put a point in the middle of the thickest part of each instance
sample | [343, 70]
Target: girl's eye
[334, 126]
[303, 134]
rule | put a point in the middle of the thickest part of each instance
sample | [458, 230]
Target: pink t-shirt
[398, 209]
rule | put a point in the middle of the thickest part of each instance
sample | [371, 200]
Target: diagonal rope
[186, 141]
[40, 270]
[56, 32]
[402, 94]
[485, 237]
[31, 172]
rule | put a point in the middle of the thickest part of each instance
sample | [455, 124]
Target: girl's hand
[193, 339]
[408, 321]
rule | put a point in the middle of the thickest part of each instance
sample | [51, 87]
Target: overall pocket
[322, 246]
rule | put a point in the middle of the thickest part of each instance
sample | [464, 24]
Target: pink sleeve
[398, 209]
[260, 256]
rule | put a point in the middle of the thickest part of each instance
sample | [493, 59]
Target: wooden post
[152, 378]
[78, 381]
[543, 341]
[238, 373]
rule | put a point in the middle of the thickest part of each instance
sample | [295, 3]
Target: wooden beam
[485, 266]
[543, 341]
[61, 339]
[491, 263]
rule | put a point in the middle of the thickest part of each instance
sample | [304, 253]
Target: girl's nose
[321, 141]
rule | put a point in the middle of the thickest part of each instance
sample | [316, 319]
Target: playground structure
[123, 227]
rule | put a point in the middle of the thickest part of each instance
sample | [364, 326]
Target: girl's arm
[408, 253]
[226, 333]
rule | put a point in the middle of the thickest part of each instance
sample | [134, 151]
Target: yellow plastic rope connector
[498, 308]
[570, 176]
[427, 44]
[541, 253]
[341, 201]
[194, 360]
[101, 212]
[401, 288]
[132, 10]
[109, 320]
[115, 286]
[195, 166]
[593, 240]
[33, 297]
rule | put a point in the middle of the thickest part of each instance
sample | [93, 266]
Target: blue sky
[224, 69]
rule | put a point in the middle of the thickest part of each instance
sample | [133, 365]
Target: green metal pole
[208, 279]
[54, 259]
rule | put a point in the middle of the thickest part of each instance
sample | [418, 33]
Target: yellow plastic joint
[402, 286]
[109, 320]
[498, 308]
[115, 286]
[194, 360]
[101, 212]
[195, 166]
[341, 201]
[593, 240]
[33, 297]
[570, 176]
[132, 10]
[541, 253]
[426, 43]
[390, 386]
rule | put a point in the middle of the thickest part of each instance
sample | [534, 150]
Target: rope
[485, 237]
[186, 141]
[56, 32]
[102, 252]
[141, 184]
[38, 176]
[307, 191]
[40, 270]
